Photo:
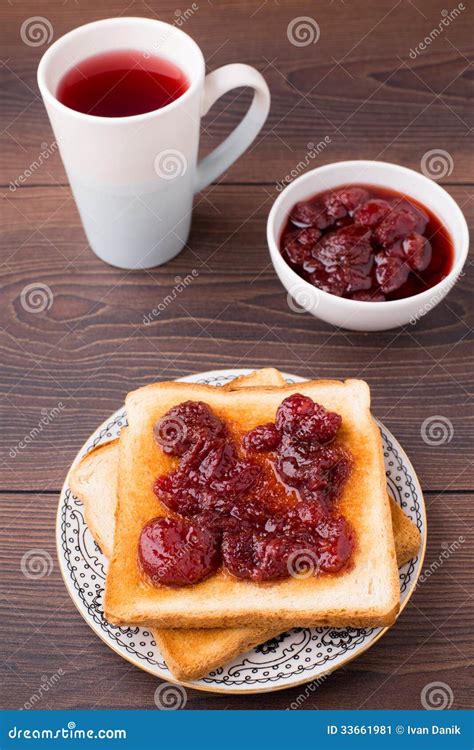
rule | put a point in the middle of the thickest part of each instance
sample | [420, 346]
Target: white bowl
[353, 314]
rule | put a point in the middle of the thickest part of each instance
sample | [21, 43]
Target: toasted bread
[365, 595]
[94, 481]
[406, 535]
[267, 376]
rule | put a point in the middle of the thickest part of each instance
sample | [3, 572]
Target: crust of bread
[367, 595]
[94, 481]
[406, 535]
[267, 376]
[192, 653]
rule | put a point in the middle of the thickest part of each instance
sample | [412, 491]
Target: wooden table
[357, 85]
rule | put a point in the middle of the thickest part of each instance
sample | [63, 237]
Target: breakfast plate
[296, 656]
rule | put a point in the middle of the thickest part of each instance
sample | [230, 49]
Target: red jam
[251, 503]
[174, 551]
[367, 243]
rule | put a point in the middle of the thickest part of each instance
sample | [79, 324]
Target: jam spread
[248, 502]
[367, 243]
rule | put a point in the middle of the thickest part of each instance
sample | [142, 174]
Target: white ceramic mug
[133, 178]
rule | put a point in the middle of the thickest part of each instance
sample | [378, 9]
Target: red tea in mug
[121, 83]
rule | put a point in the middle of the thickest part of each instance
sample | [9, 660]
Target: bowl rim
[455, 272]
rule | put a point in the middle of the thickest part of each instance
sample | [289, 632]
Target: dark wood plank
[91, 346]
[357, 85]
[44, 633]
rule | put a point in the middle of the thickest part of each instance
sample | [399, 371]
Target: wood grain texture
[91, 346]
[78, 358]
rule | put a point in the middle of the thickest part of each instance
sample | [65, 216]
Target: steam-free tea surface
[121, 83]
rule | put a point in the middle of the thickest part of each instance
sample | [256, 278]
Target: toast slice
[365, 595]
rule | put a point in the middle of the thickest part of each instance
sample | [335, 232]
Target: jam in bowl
[366, 245]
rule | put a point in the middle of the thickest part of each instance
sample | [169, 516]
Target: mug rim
[458, 262]
[52, 99]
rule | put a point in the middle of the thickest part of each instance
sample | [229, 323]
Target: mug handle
[216, 84]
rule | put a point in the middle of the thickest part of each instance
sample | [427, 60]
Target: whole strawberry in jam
[265, 437]
[184, 425]
[175, 552]
[306, 421]
[303, 454]
[298, 245]
[343, 202]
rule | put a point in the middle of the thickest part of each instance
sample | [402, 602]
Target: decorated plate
[296, 656]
